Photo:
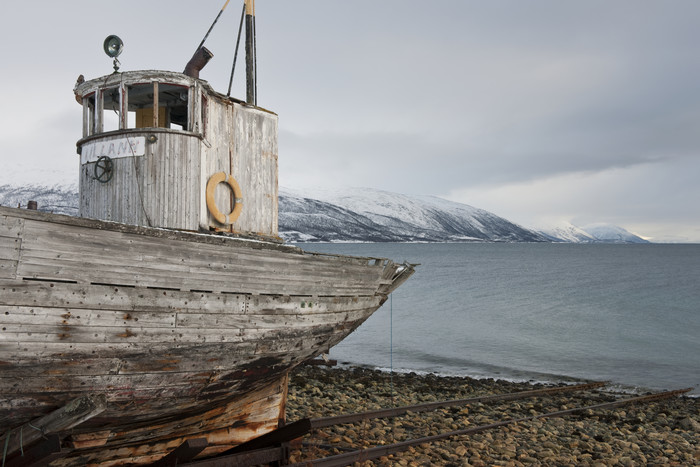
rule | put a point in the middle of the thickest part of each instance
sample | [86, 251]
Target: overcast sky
[539, 111]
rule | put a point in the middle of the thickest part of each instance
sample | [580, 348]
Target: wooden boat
[169, 310]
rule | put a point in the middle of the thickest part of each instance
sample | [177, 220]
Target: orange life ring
[220, 217]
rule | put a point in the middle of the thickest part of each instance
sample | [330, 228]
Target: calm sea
[628, 314]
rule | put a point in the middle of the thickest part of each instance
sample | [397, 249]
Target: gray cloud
[495, 104]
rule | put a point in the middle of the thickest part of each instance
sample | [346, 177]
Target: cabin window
[142, 100]
[102, 110]
[88, 115]
[170, 100]
[175, 99]
[111, 103]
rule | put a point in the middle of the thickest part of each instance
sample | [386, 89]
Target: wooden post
[156, 108]
[124, 107]
[72, 414]
[250, 51]
[99, 111]
[86, 117]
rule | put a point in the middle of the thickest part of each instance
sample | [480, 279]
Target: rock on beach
[655, 433]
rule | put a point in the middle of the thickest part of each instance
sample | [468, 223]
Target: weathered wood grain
[256, 413]
[143, 261]
[182, 334]
[167, 325]
[165, 187]
[126, 299]
[72, 414]
[8, 268]
[145, 190]
[10, 242]
[73, 317]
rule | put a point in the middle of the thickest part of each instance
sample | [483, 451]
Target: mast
[250, 62]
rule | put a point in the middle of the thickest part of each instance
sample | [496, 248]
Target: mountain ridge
[399, 218]
[367, 215]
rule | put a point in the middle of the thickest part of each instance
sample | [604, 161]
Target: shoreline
[662, 433]
[532, 379]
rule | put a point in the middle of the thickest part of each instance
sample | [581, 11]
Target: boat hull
[185, 335]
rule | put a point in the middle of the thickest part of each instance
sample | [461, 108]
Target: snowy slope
[361, 214]
[567, 232]
[57, 199]
[593, 233]
[303, 219]
[607, 233]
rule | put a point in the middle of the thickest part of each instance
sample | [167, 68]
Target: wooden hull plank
[185, 335]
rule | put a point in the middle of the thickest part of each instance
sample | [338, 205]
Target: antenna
[113, 46]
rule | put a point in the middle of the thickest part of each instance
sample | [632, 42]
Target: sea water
[627, 314]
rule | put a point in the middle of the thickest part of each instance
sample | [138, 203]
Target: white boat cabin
[163, 149]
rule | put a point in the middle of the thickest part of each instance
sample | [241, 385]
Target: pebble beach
[665, 432]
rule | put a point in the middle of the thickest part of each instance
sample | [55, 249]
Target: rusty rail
[272, 447]
[379, 451]
[305, 425]
[395, 412]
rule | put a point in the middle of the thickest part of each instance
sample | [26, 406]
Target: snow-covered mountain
[607, 233]
[367, 215]
[356, 214]
[593, 233]
[58, 199]
[566, 232]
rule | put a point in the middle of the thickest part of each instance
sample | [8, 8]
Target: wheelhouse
[153, 140]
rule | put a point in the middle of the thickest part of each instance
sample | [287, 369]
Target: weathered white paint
[113, 148]
[163, 184]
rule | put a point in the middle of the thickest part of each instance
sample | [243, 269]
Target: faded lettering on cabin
[115, 148]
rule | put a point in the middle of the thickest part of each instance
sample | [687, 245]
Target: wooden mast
[250, 63]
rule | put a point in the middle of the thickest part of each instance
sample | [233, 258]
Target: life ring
[220, 217]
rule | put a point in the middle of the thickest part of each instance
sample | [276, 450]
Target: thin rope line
[7, 443]
[138, 184]
[212, 25]
[235, 55]
[43, 433]
[391, 360]
[391, 346]
[133, 153]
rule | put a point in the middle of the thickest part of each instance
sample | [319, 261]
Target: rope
[133, 154]
[21, 441]
[138, 184]
[212, 25]
[43, 433]
[235, 55]
[7, 444]
[391, 346]
[391, 360]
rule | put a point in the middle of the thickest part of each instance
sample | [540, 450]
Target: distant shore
[657, 433]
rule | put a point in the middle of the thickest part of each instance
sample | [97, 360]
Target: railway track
[320, 445]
